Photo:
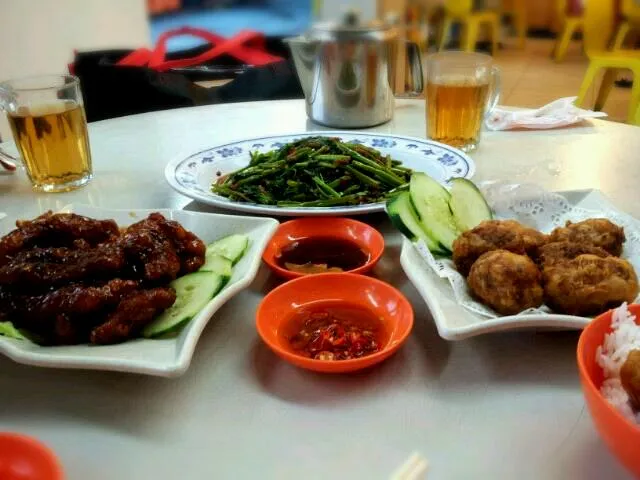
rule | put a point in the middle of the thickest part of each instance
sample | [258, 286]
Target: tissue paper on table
[559, 113]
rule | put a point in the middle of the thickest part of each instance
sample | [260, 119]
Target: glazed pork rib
[161, 249]
[132, 314]
[70, 279]
[56, 230]
[45, 268]
[65, 315]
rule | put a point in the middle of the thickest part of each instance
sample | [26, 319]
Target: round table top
[496, 406]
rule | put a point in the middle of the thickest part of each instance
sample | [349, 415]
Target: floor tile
[531, 78]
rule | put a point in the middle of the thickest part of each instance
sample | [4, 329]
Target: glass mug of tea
[47, 118]
[462, 88]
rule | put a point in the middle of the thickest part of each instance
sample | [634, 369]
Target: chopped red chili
[335, 332]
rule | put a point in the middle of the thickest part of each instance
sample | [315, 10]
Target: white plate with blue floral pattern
[192, 175]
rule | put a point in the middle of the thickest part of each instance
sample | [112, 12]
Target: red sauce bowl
[25, 458]
[621, 436]
[381, 299]
[363, 235]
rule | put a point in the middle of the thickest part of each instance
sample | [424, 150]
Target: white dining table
[500, 406]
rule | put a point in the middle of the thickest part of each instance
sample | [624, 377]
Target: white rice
[624, 338]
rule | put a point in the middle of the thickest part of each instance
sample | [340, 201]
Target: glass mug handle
[494, 96]
[8, 162]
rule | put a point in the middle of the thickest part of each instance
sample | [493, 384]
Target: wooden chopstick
[414, 468]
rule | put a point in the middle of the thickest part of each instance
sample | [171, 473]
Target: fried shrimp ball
[489, 235]
[595, 232]
[533, 239]
[506, 281]
[589, 285]
[556, 252]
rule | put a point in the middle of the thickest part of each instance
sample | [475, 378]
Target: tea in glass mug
[49, 128]
[461, 89]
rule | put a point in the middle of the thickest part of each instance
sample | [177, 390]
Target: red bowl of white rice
[604, 349]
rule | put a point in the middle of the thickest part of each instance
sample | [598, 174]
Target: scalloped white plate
[167, 357]
[192, 174]
[454, 322]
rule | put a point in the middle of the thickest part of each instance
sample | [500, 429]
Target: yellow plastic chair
[611, 62]
[596, 24]
[461, 11]
[417, 21]
[517, 10]
[631, 13]
[599, 23]
[636, 118]
[570, 25]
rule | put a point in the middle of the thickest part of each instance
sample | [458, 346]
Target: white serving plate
[167, 357]
[192, 174]
[454, 322]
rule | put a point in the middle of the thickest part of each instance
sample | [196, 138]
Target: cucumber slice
[193, 292]
[468, 205]
[405, 218]
[8, 330]
[218, 264]
[432, 204]
[231, 247]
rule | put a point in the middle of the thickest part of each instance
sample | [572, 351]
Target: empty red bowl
[363, 235]
[25, 458]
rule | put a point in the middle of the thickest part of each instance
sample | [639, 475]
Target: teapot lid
[351, 28]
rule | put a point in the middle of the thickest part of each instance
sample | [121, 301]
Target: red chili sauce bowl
[281, 305]
[25, 458]
[336, 229]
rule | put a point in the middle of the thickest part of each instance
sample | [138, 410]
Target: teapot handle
[414, 76]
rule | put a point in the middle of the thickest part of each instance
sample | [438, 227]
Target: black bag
[111, 89]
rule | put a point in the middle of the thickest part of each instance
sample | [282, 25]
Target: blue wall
[272, 17]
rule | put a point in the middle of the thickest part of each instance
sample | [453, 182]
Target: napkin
[559, 113]
[2, 215]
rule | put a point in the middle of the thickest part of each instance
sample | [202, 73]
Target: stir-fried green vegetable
[316, 172]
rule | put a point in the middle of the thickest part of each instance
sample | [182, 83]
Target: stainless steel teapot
[347, 71]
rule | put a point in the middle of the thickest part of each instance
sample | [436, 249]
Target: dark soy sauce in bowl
[322, 254]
